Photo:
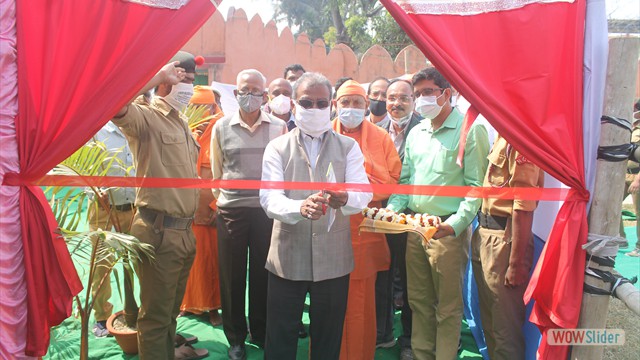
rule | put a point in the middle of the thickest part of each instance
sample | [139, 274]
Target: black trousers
[384, 294]
[285, 303]
[242, 230]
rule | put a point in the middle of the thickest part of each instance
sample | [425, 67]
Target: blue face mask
[351, 118]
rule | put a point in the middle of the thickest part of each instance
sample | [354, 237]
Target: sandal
[180, 340]
[188, 352]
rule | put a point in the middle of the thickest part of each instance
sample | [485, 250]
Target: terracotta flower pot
[127, 339]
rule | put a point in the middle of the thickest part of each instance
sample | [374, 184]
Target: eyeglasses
[256, 94]
[402, 98]
[318, 104]
[428, 91]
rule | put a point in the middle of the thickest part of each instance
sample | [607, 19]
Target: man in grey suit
[310, 248]
[400, 106]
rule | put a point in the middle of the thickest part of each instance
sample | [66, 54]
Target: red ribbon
[522, 193]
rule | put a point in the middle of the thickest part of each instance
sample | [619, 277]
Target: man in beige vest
[311, 244]
[237, 144]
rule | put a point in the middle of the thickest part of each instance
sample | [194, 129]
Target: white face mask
[313, 122]
[427, 106]
[401, 122]
[280, 104]
[351, 118]
[179, 96]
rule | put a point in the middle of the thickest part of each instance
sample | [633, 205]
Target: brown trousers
[502, 309]
[99, 219]
[636, 206]
[162, 285]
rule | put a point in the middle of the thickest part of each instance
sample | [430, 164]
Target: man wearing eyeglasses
[237, 147]
[435, 272]
[400, 104]
[311, 244]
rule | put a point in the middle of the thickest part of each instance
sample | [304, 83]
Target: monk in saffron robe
[203, 287]
[370, 250]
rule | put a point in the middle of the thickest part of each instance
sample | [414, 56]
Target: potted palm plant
[102, 247]
[96, 248]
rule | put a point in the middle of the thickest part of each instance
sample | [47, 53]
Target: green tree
[389, 35]
[356, 23]
[359, 32]
[310, 16]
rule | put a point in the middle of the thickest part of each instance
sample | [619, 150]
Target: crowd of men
[303, 242]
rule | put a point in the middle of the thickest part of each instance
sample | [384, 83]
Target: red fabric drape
[522, 69]
[78, 63]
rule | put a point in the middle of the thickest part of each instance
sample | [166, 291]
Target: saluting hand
[172, 73]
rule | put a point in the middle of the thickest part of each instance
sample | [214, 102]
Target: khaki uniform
[163, 147]
[633, 168]
[502, 309]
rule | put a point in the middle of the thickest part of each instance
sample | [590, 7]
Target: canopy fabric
[12, 282]
[78, 63]
[522, 69]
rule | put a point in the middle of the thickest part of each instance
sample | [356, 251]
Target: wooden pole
[605, 214]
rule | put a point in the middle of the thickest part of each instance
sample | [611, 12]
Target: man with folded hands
[311, 242]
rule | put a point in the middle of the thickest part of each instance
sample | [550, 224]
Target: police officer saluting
[162, 146]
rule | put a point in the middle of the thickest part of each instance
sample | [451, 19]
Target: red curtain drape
[79, 62]
[522, 69]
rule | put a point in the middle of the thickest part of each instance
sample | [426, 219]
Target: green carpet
[626, 265]
[65, 338]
